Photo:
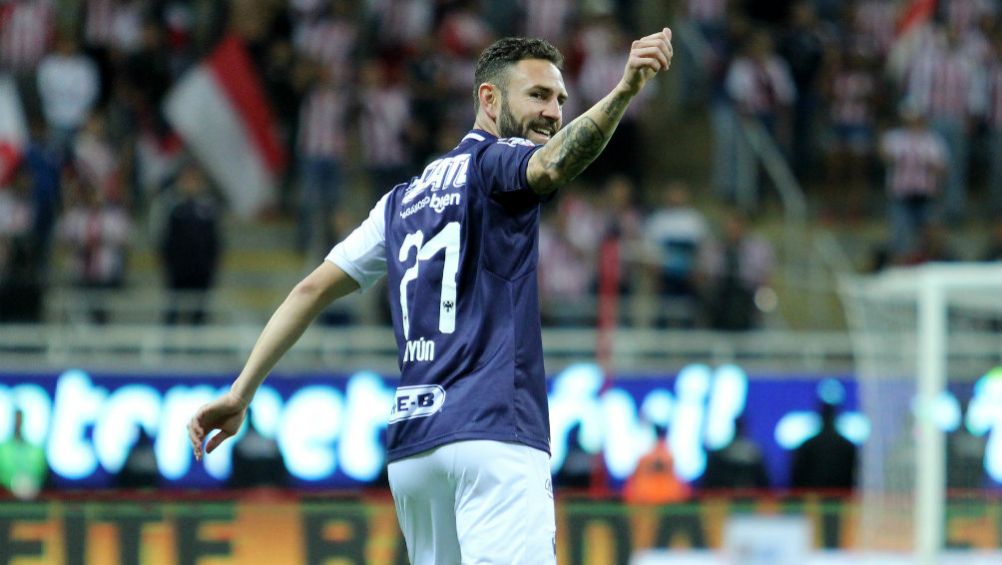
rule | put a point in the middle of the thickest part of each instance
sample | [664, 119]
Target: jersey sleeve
[362, 254]
[502, 165]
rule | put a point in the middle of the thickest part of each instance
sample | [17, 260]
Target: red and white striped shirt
[329, 42]
[915, 161]
[99, 22]
[944, 83]
[384, 119]
[548, 19]
[322, 124]
[852, 97]
[760, 88]
[113, 23]
[875, 21]
[403, 22]
[25, 30]
[706, 11]
[966, 14]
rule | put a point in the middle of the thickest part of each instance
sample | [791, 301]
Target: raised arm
[226, 414]
[575, 146]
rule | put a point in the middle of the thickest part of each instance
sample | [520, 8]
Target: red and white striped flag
[13, 129]
[220, 111]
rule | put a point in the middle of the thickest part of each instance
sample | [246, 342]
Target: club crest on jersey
[416, 402]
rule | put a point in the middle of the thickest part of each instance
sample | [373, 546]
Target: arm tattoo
[582, 143]
[615, 108]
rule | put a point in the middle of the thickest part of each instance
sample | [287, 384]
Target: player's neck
[483, 122]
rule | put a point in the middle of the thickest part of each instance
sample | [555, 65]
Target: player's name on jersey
[420, 349]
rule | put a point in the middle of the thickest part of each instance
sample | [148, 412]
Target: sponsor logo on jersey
[420, 349]
[416, 402]
[440, 174]
[436, 202]
[516, 141]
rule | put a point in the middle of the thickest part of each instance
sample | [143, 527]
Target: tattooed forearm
[582, 142]
[615, 107]
[574, 147]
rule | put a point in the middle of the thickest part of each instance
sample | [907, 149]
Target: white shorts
[476, 503]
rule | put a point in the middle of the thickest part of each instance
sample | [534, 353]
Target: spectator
[601, 42]
[257, 461]
[68, 85]
[322, 152]
[330, 39]
[946, 87]
[737, 465]
[20, 278]
[762, 89]
[872, 26]
[804, 47]
[398, 26]
[427, 84]
[25, 32]
[140, 470]
[674, 233]
[707, 18]
[566, 275]
[43, 162]
[728, 143]
[191, 246]
[654, 480]
[548, 19]
[851, 90]
[624, 225]
[965, 456]
[761, 85]
[730, 272]
[915, 159]
[384, 123]
[97, 233]
[576, 471]
[827, 460]
[95, 158]
[147, 72]
[23, 468]
[994, 125]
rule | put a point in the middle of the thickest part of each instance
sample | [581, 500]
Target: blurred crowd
[866, 104]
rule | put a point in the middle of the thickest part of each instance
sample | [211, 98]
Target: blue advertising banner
[329, 427]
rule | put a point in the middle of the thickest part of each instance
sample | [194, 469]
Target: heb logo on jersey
[440, 174]
[516, 141]
[416, 402]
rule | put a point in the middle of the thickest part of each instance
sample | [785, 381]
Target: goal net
[928, 350]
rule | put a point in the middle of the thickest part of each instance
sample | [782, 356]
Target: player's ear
[490, 99]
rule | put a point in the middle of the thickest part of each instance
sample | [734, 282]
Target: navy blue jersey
[460, 252]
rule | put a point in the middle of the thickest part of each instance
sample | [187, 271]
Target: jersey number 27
[448, 239]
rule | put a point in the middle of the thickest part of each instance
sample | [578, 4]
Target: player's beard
[508, 126]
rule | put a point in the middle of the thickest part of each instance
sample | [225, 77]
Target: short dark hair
[495, 60]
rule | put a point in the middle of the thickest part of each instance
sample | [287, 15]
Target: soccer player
[468, 436]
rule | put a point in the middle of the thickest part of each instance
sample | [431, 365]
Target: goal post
[921, 337]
